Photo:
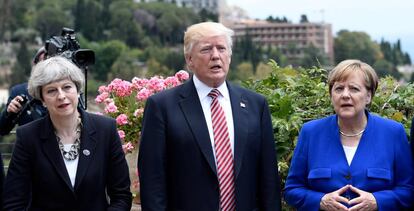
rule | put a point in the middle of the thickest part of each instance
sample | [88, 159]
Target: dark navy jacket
[176, 164]
[37, 178]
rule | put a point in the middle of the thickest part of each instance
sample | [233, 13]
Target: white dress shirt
[349, 153]
[224, 99]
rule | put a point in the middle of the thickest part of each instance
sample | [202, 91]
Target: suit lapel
[239, 107]
[87, 148]
[193, 112]
[51, 150]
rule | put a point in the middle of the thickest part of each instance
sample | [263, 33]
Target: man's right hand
[15, 105]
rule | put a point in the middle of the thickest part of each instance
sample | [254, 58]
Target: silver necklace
[73, 152]
[351, 135]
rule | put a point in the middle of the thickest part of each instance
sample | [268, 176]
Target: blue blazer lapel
[366, 145]
[239, 107]
[51, 150]
[193, 112]
[87, 148]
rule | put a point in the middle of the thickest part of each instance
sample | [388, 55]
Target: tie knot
[214, 93]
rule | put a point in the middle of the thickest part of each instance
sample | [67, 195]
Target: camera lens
[84, 57]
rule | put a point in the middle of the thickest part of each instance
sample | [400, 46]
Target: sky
[390, 20]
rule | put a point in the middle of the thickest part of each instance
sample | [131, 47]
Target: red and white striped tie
[224, 157]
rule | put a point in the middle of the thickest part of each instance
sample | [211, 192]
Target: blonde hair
[347, 67]
[51, 70]
[196, 32]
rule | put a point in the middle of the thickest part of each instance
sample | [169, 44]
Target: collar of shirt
[203, 89]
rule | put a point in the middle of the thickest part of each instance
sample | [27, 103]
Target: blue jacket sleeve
[402, 195]
[297, 193]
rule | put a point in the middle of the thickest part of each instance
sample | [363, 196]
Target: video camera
[64, 45]
[67, 46]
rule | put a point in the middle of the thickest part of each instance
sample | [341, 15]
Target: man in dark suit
[207, 144]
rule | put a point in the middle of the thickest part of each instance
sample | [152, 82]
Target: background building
[291, 38]
[196, 5]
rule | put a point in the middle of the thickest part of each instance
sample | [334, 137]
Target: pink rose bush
[125, 101]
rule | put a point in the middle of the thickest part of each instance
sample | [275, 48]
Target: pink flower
[123, 89]
[101, 98]
[108, 101]
[102, 89]
[121, 134]
[125, 101]
[143, 94]
[138, 112]
[156, 84]
[171, 81]
[111, 108]
[120, 87]
[182, 75]
[128, 147]
[114, 83]
[122, 119]
[139, 83]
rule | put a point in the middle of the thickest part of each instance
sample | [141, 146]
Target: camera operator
[21, 108]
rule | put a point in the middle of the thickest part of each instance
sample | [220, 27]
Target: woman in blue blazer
[70, 159]
[412, 136]
[352, 160]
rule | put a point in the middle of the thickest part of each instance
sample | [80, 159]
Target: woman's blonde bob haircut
[54, 69]
[347, 67]
[196, 32]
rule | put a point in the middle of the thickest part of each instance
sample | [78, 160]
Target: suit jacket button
[348, 177]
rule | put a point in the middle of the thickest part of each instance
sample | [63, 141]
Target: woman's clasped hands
[334, 201]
